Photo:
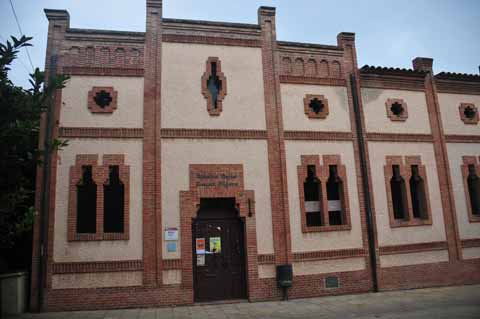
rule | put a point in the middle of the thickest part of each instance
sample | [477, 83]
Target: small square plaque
[331, 282]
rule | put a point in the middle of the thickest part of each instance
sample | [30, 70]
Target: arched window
[312, 189]
[113, 202]
[473, 182]
[86, 202]
[417, 193]
[399, 194]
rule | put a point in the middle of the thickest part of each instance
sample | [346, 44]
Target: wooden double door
[218, 252]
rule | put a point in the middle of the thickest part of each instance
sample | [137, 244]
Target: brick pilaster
[152, 223]
[441, 157]
[275, 137]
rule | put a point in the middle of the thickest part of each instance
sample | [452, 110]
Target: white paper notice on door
[200, 260]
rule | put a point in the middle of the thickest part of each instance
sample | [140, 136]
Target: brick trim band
[318, 135]
[79, 70]
[266, 259]
[470, 243]
[453, 138]
[97, 266]
[101, 132]
[397, 137]
[213, 133]
[330, 254]
[413, 248]
[172, 264]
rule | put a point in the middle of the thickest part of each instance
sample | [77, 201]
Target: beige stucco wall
[178, 154]
[471, 252]
[322, 240]
[455, 152]
[294, 117]
[405, 235]
[424, 257]
[99, 250]
[183, 104]
[172, 277]
[451, 121]
[129, 113]
[266, 271]
[97, 280]
[376, 119]
[327, 266]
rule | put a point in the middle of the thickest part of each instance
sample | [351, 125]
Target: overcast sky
[388, 33]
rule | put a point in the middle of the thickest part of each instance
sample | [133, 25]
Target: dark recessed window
[334, 196]
[417, 192]
[103, 98]
[86, 202]
[399, 194]
[114, 202]
[473, 182]
[397, 108]
[214, 85]
[316, 105]
[312, 189]
[469, 112]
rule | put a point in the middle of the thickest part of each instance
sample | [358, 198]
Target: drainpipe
[366, 194]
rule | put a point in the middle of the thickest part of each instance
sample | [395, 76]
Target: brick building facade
[195, 134]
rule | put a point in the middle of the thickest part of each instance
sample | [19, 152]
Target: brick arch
[189, 206]
[311, 68]
[323, 70]
[287, 65]
[299, 67]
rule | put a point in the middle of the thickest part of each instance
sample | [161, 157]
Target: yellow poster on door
[215, 245]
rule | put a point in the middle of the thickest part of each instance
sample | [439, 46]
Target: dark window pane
[473, 182]
[334, 196]
[214, 85]
[399, 194]
[312, 191]
[86, 202]
[417, 192]
[114, 201]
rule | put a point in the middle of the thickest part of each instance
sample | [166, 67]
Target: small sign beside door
[171, 234]
[200, 260]
[200, 246]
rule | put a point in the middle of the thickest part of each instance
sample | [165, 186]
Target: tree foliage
[20, 112]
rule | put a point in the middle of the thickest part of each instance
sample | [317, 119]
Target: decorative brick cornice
[311, 80]
[172, 264]
[330, 254]
[315, 114]
[471, 110]
[402, 109]
[222, 89]
[178, 38]
[101, 132]
[413, 248]
[399, 137]
[457, 87]
[97, 266]
[93, 71]
[469, 160]
[213, 133]
[318, 135]
[95, 106]
[376, 81]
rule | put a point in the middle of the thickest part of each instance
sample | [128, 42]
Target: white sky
[388, 33]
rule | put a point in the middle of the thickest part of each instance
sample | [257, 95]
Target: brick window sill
[409, 223]
[319, 229]
[100, 237]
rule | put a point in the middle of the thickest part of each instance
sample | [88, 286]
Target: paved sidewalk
[449, 302]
